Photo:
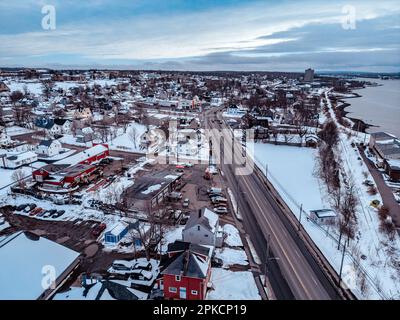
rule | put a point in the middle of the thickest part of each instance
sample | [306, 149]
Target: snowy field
[291, 170]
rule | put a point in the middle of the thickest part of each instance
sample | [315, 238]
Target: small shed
[116, 233]
[323, 216]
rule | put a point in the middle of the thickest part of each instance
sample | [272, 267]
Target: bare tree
[134, 135]
[18, 177]
[104, 132]
[301, 131]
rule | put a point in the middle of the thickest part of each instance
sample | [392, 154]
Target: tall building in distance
[309, 75]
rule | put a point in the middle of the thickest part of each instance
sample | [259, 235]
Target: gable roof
[60, 122]
[46, 143]
[204, 217]
[189, 263]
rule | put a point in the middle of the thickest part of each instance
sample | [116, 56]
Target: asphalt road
[292, 270]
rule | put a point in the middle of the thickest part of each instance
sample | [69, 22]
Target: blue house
[116, 233]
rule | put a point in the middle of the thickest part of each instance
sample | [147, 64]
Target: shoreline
[358, 124]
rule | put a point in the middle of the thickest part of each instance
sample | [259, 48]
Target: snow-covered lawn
[229, 285]
[232, 256]
[233, 237]
[6, 178]
[291, 169]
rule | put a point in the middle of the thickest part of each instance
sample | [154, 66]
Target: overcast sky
[203, 35]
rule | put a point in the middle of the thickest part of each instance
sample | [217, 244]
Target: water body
[379, 106]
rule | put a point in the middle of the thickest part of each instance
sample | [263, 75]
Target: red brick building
[188, 271]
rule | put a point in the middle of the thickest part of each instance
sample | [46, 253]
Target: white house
[64, 125]
[203, 228]
[5, 140]
[49, 148]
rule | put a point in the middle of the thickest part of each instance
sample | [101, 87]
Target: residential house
[49, 148]
[203, 228]
[83, 113]
[5, 139]
[188, 271]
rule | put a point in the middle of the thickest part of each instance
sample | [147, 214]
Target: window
[177, 278]
[194, 292]
[172, 289]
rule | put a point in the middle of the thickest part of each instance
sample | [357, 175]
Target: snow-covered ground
[232, 236]
[230, 285]
[123, 141]
[7, 179]
[34, 87]
[232, 256]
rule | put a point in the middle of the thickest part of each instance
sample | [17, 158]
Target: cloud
[257, 34]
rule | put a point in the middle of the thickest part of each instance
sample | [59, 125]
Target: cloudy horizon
[203, 35]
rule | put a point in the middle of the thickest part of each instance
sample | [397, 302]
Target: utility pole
[301, 211]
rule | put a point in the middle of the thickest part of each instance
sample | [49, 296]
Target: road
[293, 272]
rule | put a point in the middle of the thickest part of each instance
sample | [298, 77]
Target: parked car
[221, 210]
[215, 194]
[214, 190]
[49, 213]
[142, 266]
[99, 229]
[142, 275]
[186, 203]
[21, 207]
[42, 213]
[58, 214]
[218, 200]
[35, 211]
[30, 207]
[375, 203]
[121, 265]
[368, 183]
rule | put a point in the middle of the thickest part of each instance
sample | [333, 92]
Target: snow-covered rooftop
[23, 263]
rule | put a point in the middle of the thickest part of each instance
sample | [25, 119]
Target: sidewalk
[387, 195]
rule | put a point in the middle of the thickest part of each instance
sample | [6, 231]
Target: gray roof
[188, 264]
[198, 218]
[46, 143]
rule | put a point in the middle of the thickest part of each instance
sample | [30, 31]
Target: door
[182, 293]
